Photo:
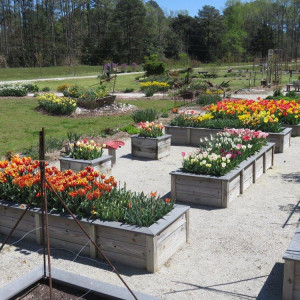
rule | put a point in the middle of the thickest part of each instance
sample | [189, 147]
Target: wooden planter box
[154, 148]
[191, 136]
[291, 279]
[219, 191]
[295, 129]
[142, 247]
[102, 164]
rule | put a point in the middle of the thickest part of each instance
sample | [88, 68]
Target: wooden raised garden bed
[154, 148]
[102, 164]
[291, 280]
[220, 191]
[142, 247]
[191, 136]
[66, 285]
[295, 129]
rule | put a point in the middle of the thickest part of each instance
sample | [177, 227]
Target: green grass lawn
[20, 123]
[122, 82]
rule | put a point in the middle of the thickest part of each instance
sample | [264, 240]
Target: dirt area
[42, 292]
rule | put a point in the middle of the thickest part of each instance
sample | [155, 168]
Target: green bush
[148, 114]
[205, 99]
[73, 91]
[31, 88]
[164, 114]
[153, 66]
[45, 89]
[128, 90]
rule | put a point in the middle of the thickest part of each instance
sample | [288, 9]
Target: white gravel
[233, 253]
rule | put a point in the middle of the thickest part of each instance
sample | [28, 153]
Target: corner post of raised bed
[93, 234]
[188, 136]
[225, 194]
[173, 187]
[242, 182]
[273, 152]
[288, 280]
[151, 253]
[254, 171]
[39, 228]
[264, 162]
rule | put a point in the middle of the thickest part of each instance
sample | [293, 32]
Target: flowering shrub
[63, 87]
[87, 150]
[224, 152]
[57, 105]
[87, 193]
[150, 129]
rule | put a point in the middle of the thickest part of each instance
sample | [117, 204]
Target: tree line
[55, 32]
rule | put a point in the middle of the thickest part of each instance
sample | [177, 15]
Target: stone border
[141, 247]
[219, 191]
[68, 279]
[191, 136]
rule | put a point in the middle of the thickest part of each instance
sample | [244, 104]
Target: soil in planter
[40, 291]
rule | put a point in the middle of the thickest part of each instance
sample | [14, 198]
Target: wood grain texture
[288, 280]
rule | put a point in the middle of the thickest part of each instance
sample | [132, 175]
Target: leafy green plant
[128, 90]
[30, 87]
[45, 89]
[13, 90]
[130, 129]
[206, 99]
[73, 91]
[144, 115]
[164, 114]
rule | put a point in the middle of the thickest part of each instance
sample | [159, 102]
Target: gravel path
[233, 253]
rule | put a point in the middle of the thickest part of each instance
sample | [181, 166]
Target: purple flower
[123, 66]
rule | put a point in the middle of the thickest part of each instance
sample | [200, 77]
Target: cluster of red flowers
[88, 184]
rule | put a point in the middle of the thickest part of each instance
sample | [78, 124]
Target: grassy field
[122, 82]
[21, 123]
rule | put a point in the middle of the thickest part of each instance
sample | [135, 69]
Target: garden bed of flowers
[87, 193]
[224, 152]
[265, 115]
[17, 89]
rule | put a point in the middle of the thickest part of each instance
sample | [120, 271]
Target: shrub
[73, 91]
[148, 114]
[206, 99]
[57, 105]
[153, 66]
[30, 87]
[128, 90]
[13, 90]
[61, 88]
[45, 89]
[93, 196]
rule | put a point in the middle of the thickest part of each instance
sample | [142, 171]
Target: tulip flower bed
[228, 164]
[98, 203]
[266, 115]
[81, 154]
[150, 142]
